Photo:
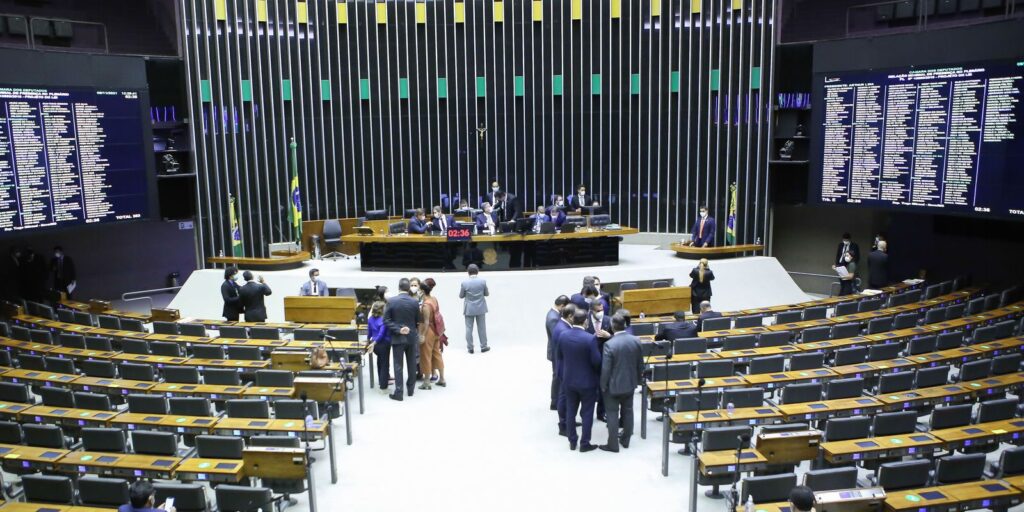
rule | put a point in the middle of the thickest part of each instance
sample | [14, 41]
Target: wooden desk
[682, 358]
[16, 458]
[659, 389]
[990, 494]
[725, 461]
[656, 301]
[211, 391]
[119, 464]
[869, 448]
[247, 427]
[209, 470]
[81, 354]
[148, 359]
[37, 378]
[724, 333]
[246, 342]
[921, 397]
[809, 411]
[11, 410]
[246, 365]
[180, 338]
[981, 434]
[745, 355]
[28, 347]
[319, 309]
[267, 392]
[279, 260]
[724, 251]
[801, 325]
[67, 416]
[112, 386]
[165, 423]
[986, 386]
[778, 380]
[688, 421]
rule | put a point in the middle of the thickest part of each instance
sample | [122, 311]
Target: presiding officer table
[501, 251]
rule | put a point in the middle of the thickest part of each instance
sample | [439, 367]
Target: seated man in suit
[418, 223]
[705, 313]
[581, 373]
[678, 329]
[703, 230]
[539, 218]
[487, 220]
[439, 222]
[314, 286]
[557, 211]
[581, 199]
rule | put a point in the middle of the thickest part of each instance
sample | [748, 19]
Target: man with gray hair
[622, 366]
[474, 294]
[705, 313]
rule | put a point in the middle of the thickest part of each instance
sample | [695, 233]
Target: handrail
[125, 298]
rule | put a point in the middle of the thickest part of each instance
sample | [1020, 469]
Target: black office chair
[906, 320]
[131, 324]
[214, 352]
[690, 346]
[92, 401]
[799, 393]
[15, 392]
[31, 362]
[233, 332]
[742, 322]
[71, 340]
[820, 480]
[815, 313]
[1010, 463]
[1006, 363]
[264, 333]
[911, 474]
[294, 409]
[773, 339]
[244, 353]
[274, 378]
[20, 333]
[894, 423]
[308, 334]
[103, 492]
[100, 343]
[10, 432]
[877, 325]
[767, 489]
[146, 442]
[921, 345]
[708, 369]
[83, 318]
[787, 317]
[189, 406]
[844, 388]
[131, 346]
[846, 308]
[769, 364]
[644, 329]
[663, 372]
[397, 228]
[743, 397]
[949, 416]
[931, 377]
[331, 238]
[717, 439]
[147, 404]
[869, 305]
[102, 439]
[44, 436]
[181, 374]
[60, 365]
[996, 410]
[108, 322]
[895, 382]
[932, 291]
[48, 489]
[240, 498]
[219, 447]
[813, 334]
[136, 371]
[959, 468]
[884, 351]
[955, 311]
[187, 497]
[934, 316]
[170, 328]
[716, 324]
[743, 342]
[57, 397]
[847, 330]
[165, 348]
[97, 368]
[64, 315]
[976, 306]
[187, 329]
[841, 429]
[689, 400]
[991, 301]
[975, 370]
[807, 361]
[40, 336]
[247, 408]
[853, 355]
[221, 377]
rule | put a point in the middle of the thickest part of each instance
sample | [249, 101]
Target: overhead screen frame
[815, 180]
[56, 70]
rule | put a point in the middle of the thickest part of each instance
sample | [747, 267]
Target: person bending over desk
[677, 330]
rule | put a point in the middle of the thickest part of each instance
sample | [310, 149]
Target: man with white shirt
[581, 199]
[313, 287]
[486, 221]
[439, 222]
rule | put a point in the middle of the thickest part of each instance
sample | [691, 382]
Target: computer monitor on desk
[376, 215]
[592, 210]
[600, 220]
[523, 225]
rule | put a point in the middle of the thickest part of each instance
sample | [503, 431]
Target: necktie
[314, 288]
[444, 226]
[700, 232]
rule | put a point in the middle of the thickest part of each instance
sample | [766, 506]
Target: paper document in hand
[842, 271]
[71, 286]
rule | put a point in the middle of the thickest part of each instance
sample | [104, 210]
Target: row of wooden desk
[997, 494]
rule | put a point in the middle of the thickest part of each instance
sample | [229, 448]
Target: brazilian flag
[295, 197]
[236, 231]
[730, 225]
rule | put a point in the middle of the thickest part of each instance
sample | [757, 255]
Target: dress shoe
[602, 418]
[425, 385]
[624, 442]
[395, 397]
[587, 448]
[608, 448]
[572, 446]
[441, 383]
[562, 432]
[470, 351]
[485, 349]
[554, 407]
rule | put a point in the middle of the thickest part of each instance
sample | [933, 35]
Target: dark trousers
[581, 401]
[407, 352]
[845, 286]
[555, 385]
[600, 403]
[383, 353]
[620, 412]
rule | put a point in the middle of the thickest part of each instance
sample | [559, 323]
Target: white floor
[488, 440]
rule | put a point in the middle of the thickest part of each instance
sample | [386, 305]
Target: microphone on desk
[700, 383]
[328, 337]
[305, 409]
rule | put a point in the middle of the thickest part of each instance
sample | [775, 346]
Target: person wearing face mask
[507, 207]
[539, 218]
[586, 297]
[846, 281]
[557, 212]
[600, 325]
[580, 199]
[439, 222]
[703, 230]
[700, 284]
[418, 223]
[846, 246]
[414, 288]
[315, 286]
[63, 269]
[491, 195]
[605, 297]
[230, 292]
[486, 221]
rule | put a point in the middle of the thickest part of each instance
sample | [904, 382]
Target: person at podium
[703, 230]
[314, 287]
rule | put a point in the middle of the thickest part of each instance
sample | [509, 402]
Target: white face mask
[560, 202]
[703, 214]
[598, 286]
[414, 289]
[495, 189]
[314, 278]
[849, 258]
[599, 316]
[589, 300]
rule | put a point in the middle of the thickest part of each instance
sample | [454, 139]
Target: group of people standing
[848, 257]
[29, 276]
[244, 299]
[595, 363]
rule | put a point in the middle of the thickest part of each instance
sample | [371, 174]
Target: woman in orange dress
[431, 330]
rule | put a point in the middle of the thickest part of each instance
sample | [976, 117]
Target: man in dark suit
[678, 329]
[63, 269]
[489, 195]
[705, 313]
[557, 212]
[539, 218]
[847, 246]
[230, 292]
[703, 229]
[581, 367]
[580, 199]
[553, 318]
[600, 325]
[401, 317]
[878, 266]
[586, 296]
[621, 368]
[487, 220]
[507, 206]
[418, 222]
[564, 325]
[252, 294]
[440, 222]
